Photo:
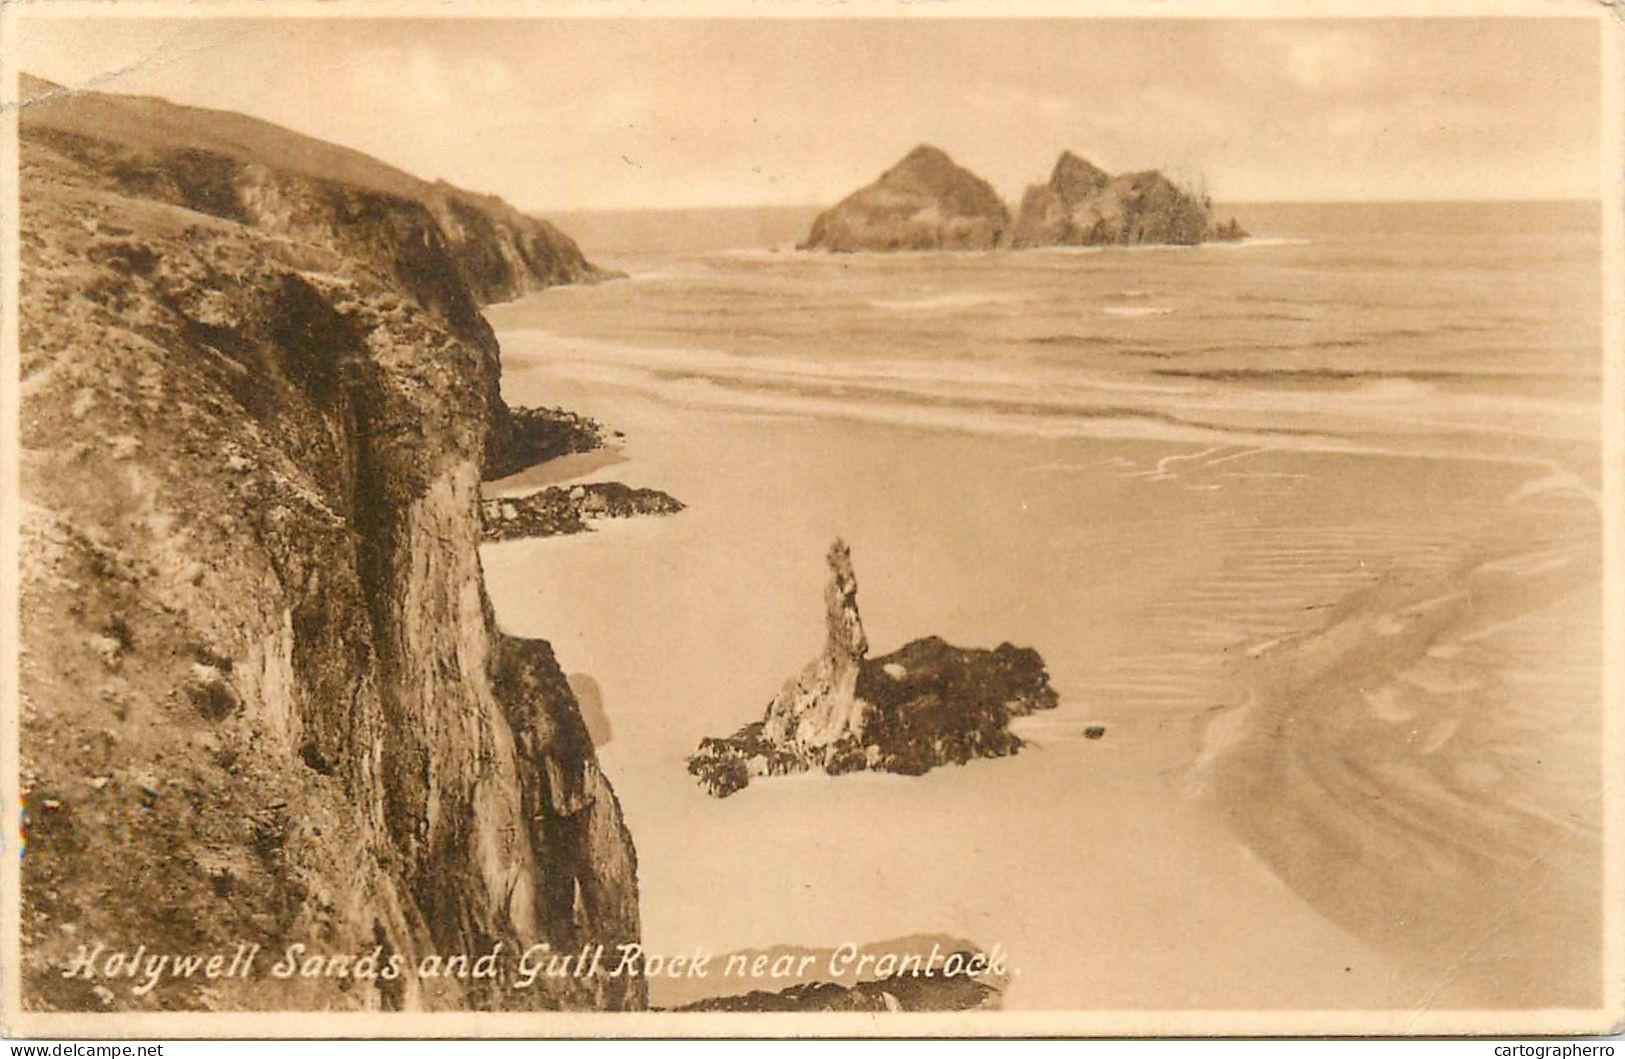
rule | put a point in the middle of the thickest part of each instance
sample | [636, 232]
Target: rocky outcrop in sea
[924, 202]
[927, 202]
[927, 704]
[263, 698]
[1083, 205]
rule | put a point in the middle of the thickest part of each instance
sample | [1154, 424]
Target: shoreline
[691, 378]
[1134, 774]
[997, 447]
[560, 470]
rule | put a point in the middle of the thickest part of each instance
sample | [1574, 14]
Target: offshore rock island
[924, 202]
[928, 202]
[927, 704]
[1083, 205]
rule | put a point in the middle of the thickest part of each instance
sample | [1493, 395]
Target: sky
[626, 113]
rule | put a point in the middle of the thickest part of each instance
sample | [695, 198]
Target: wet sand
[1426, 769]
[1116, 872]
[569, 468]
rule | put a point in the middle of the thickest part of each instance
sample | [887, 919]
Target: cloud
[420, 76]
[543, 112]
[425, 73]
[1327, 61]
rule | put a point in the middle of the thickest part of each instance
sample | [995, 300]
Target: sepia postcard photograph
[859, 520]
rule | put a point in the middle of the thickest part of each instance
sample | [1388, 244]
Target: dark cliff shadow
[591, 699]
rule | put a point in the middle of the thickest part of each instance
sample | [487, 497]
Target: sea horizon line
[543, 211]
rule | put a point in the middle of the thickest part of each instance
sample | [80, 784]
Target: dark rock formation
[924, 202]
[926, 704]
[590, 699]
[930, 703]
[561, 509]
[263, 697]
[535, 435]
[1083, 205]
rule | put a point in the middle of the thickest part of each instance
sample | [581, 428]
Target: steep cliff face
[500, 253]
[924, 202]
[1083, 205]
[264, 701]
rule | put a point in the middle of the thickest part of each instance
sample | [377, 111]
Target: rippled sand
[1426, 770]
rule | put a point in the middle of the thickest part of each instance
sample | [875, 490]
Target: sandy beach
[1136, 871]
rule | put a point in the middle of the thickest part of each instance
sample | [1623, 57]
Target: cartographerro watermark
[147, 969]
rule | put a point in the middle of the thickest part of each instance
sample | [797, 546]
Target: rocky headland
[560, 509]
[924, 202]
[927, 202]
[263, 698]
[926, 704]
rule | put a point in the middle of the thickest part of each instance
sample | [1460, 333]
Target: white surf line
[1160, 471]
[1259, 650]
[1560, 479]
[1235, 456]
[1479, 635]
[1061, 466]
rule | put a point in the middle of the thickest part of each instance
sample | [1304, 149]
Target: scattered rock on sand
[558, 510]
[927, 704]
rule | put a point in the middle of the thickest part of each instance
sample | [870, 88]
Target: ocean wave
[1560, 482]
[1115, 343]
[1383, 415]
[973, 375]
[1105, 248]
[843, 258]
[1256, 241]
[1341, 375]
[959, 300]
[1249, 243]
[758, 253]
[1136, 310]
